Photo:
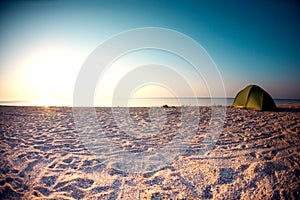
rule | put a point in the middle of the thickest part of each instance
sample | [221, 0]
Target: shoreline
[279, 105]
[162, 102]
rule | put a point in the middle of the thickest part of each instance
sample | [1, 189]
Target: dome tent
[254, 97]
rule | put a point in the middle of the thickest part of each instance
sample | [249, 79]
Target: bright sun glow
[152, 91]
[51, 75]
[46, 102]
[49, 69]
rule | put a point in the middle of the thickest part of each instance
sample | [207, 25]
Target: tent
[254, 97]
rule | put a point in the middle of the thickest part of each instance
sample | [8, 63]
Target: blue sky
[250, 42]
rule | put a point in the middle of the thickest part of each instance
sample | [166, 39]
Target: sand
[257, 156]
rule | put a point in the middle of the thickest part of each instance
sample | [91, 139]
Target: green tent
[254, 97]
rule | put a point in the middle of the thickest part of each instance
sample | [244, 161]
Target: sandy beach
[257, 156]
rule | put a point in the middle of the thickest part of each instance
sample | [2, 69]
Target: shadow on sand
[292, 110]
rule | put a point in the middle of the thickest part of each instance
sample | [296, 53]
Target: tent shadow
[291, 110]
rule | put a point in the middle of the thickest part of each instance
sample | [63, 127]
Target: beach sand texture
[257, 156]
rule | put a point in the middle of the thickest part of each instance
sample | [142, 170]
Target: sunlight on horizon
[44, 76]
[47, 102]
[125, 65]
[149, 94]
[49, 72]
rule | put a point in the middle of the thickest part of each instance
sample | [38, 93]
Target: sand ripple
[256, 157]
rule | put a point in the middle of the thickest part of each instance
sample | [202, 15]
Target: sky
[43, 45]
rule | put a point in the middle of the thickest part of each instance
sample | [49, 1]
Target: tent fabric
[254, 97]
